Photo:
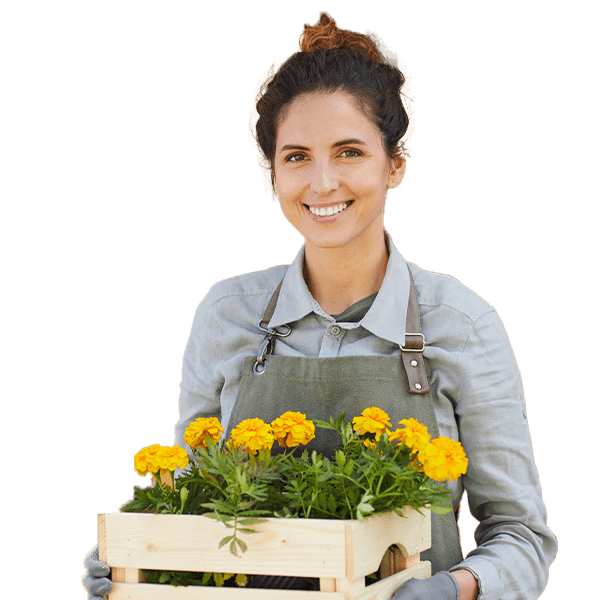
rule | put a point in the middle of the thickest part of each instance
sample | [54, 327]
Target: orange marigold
[443, 459]
[159, 458]
[254, 435]
[413, 434]
[202, 429]
[146, 460]
[292, 429]
[372, 420]
[171, 457]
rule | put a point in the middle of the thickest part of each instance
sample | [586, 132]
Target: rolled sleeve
[514, 545]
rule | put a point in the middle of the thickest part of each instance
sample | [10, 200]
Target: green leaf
[331, 503]
[225, 540]
[325, 476]
[440, 510]
[252, 520]
[323, 424]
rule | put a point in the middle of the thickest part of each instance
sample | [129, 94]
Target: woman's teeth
[330, 210]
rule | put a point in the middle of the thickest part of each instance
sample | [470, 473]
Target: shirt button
[335, 330]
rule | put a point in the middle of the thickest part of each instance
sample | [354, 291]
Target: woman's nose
[324, 179]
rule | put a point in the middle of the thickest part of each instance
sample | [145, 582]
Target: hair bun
[326, 36]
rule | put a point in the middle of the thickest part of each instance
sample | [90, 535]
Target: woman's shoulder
[437, 290]
[255, 283]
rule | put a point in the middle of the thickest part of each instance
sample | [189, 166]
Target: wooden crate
[340, 553]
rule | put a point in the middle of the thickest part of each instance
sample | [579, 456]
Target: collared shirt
[475, 383]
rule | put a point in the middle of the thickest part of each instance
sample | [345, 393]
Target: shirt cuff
[488, 579]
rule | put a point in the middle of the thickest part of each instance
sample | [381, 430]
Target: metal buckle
[266, 347]
[404, 349]
[273, 331]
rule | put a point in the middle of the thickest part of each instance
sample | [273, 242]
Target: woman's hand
[95, 581]
[460, 585]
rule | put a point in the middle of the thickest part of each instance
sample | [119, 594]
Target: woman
[349, 320]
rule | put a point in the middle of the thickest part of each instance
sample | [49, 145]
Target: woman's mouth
[328, 211]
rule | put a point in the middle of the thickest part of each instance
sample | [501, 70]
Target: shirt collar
[386, 317]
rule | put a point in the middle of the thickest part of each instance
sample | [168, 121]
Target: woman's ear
[397, 172]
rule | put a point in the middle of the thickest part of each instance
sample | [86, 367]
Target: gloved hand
[442, 586]
[95, 581]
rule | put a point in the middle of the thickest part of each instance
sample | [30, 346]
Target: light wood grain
[384, 589]
[372, 537]
[304, 547]
[131, 591]
[340, 553]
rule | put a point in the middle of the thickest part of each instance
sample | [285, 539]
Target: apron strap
[264, 322]
[412, 351]
[414, 342]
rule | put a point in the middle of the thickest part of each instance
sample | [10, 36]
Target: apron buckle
[410, 346]
[260, 366]
[266, 347]
[273, 331]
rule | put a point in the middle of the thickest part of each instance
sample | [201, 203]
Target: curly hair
[332, 59]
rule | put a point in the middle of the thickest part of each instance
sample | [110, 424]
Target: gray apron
[323, 387]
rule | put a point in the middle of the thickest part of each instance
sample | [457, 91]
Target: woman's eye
[350, 153]
[295, 158]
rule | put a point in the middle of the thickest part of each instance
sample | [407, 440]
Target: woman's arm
[514, 544]
[467, 584]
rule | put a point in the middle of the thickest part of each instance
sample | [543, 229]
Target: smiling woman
[331, 121]
[350, 321]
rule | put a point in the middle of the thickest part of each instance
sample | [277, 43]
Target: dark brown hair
[333, 59]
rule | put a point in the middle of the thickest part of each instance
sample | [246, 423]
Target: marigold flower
[202, 429]
[254, 435]
[413, 434]
[372, 420]
[292, 429]
[146, 460]
[443, 459]
[171, 457]
[159, 458]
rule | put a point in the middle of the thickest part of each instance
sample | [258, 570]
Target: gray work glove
[442, 586]
[95, 581]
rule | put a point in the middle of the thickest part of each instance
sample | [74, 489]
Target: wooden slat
[303, 547]
[382, 590]
[140, 591]
[102, 538]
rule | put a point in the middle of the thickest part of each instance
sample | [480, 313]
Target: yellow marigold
[171, 457]
[159, 458]
[253, 434]
[292, 429]
[443, 459]
[413, 434]
[372, 420]
[146, 460]
[200, 430]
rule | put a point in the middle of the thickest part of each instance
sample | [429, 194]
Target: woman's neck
[339, 277]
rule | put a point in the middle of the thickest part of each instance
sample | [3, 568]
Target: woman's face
[332, 172]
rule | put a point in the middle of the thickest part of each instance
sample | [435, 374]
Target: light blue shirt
[475, 384]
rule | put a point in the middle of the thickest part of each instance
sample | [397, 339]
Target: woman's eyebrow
[336, 145]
